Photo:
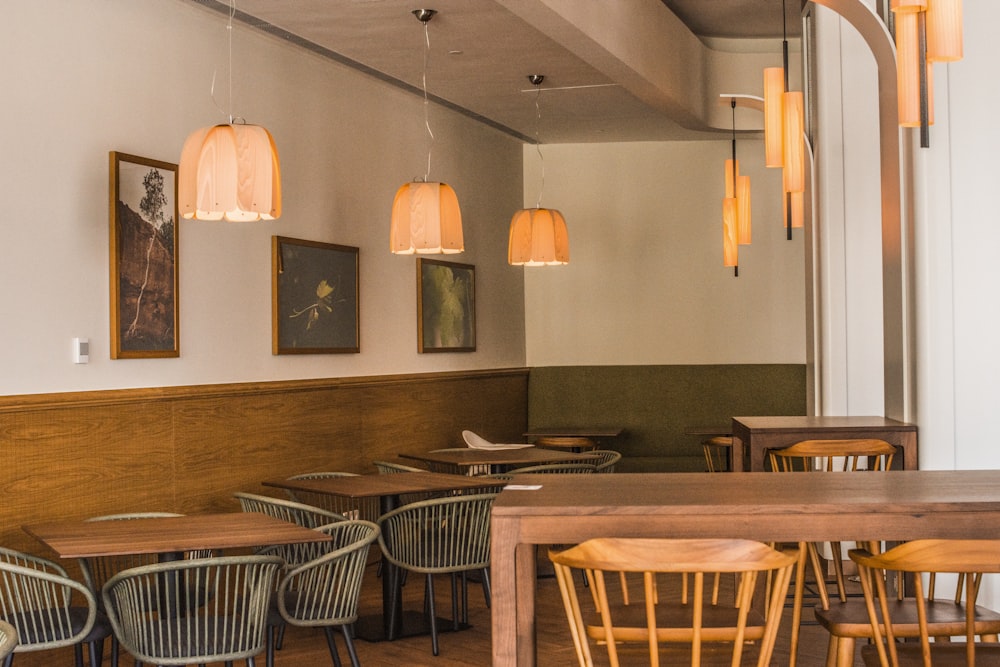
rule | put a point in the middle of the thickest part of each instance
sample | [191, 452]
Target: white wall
[645, 283]
[80, 79]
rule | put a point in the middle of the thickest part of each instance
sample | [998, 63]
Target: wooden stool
[568, 443]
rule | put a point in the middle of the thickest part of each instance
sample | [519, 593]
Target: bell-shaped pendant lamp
[229, 172]
[426, 219]
[538, 236]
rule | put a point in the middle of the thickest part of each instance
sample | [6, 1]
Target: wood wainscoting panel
[187, 449]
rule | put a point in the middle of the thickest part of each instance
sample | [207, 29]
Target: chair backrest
[695, 619]
[609, 459]
[287, 510]
[716, 450]
[97, 570]
[390, 468]
[8, 639]
[349, 508]
[833, 455]
[554, 469]
[920, 558]
[325, 590]
[449, 534]
[47, 607]
[150, 610]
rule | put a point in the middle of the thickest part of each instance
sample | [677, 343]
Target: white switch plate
[81, 350]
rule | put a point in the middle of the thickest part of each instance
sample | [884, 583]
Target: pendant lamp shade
[774, 89]
[908, 69]
[794, 144]
[538, 237]
[426, 220]
[743, 235]
[729, 232]
[907, 6]
[944, 31]
[229, 172]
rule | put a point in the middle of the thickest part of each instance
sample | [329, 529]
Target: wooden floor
[307, 647]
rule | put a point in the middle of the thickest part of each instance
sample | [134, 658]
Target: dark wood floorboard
[306, 647]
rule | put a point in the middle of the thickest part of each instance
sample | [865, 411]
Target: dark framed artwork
[145, 318]
[446, 306]
[314, 296]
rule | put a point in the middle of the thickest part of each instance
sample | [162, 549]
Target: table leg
[506, 579]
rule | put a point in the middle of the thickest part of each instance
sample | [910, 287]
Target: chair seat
[943, 655]
[34, 627]
[944, 618]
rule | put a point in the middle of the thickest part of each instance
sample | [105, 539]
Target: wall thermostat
[81, 350]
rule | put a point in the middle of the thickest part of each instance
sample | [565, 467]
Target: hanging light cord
[538, 143]
[229, 34]
[427, 121]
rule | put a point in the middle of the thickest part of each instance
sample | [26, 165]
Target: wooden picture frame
[314, 297]
[145, 313]
[446, 306]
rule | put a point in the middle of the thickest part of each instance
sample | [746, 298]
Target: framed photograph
[446, 306]
[314, 297]
[145, 319]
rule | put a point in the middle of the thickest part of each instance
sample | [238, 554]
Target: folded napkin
[477, 442]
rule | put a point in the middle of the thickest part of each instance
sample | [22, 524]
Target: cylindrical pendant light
[908, 68]
[426, 220]
[730, 242]
[743, 228]
[794, 174]
[538, 237]
[944, 30]
[229, 172]
[774, 88]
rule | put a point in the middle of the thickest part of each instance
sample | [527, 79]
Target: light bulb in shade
[538, 237]
[426, 220]
[229, 172]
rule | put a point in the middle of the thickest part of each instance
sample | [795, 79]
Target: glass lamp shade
[794, 173]
[944, 30]
[229, 172]
[538, 237]
[743, 210]
[774, 88]
[730, 246]
[426, 220]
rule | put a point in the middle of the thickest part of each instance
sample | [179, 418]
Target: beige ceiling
[615, 70]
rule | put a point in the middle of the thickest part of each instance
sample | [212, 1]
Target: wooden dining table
[393, 622]
[462, 460]
[753, 436]
[890, 506]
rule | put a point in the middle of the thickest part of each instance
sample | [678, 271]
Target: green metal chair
[390, 468]
[554, 469]
[308, 516]
[231, 625]
[441, 536]
[8, 639]
[323, 592]
[609, 458]
[48, 609]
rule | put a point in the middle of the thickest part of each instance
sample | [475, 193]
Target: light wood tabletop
[166, 535]
[893, 506]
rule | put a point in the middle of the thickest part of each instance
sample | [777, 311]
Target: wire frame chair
[8, 639]
[230, 625]
[693, 621]
[554, 469]
[304, 515]
[441, 536]
[47, 608]
[349, 508]
[609, 458]
[472, 470]
[392, 468]
[324, 592]
[928, 558]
